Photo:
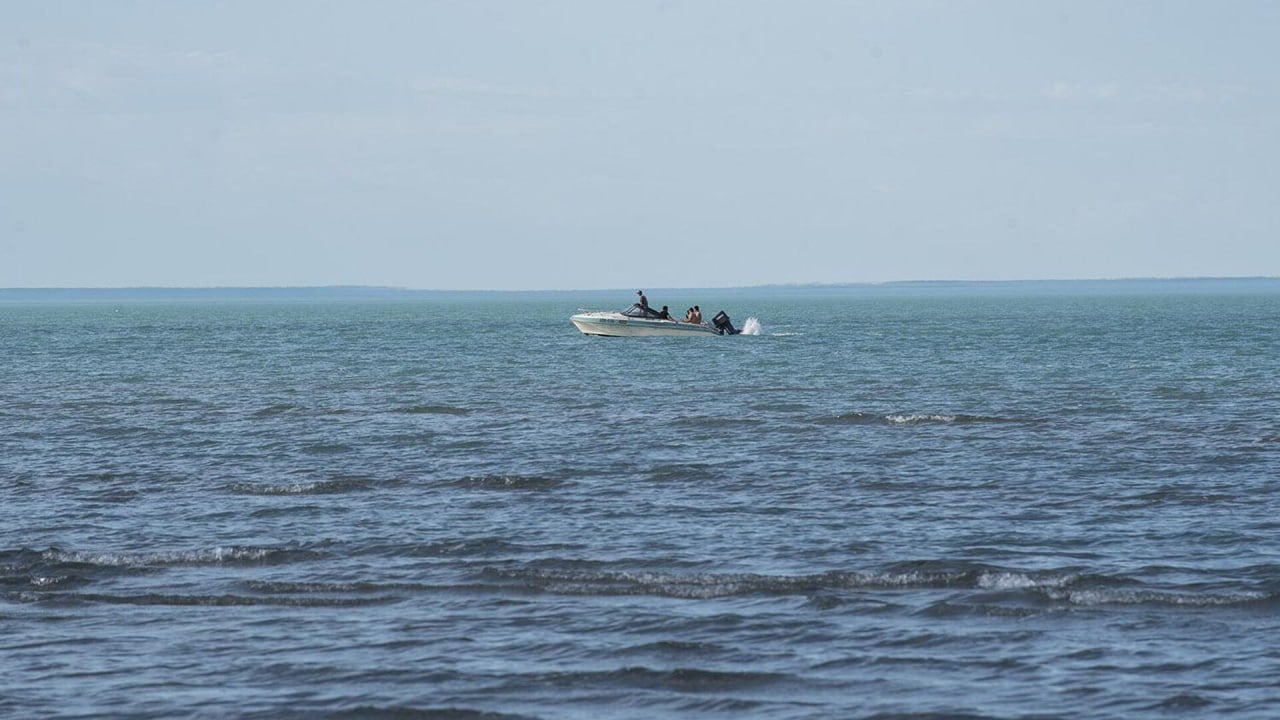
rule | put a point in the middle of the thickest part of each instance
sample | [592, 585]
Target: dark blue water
[934, 503]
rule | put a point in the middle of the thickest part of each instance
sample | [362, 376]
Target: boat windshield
[636, 311]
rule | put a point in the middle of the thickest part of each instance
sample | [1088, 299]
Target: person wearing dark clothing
[644, 306]
[664, 315]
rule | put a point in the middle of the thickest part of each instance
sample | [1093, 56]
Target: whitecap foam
[507, 482]
[917, 418]
[178, 557]
[1100, 596]
[318, 487]
[1021, 581]
[710, 585]
[751, 327]
[48, 580]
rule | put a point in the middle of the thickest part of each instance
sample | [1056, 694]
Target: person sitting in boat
[644, 301]
[696, 318]
[688, 315]
[665, 315]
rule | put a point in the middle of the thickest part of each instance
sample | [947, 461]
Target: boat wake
[750, 327]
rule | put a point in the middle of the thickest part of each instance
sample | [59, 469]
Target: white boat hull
[614, 324]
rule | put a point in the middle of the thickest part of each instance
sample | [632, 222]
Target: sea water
[933, 501]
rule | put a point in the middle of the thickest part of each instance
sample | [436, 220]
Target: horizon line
[796, 285]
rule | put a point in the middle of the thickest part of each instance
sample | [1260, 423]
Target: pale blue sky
[597, 144]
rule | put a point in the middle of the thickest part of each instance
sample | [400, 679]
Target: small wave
[683, 472]
[269, 587]
[854, 418]
[1177, 393]
[899, 419]
[713, 585]
[402, 712]
[778, 407]
[106, 477]
[117, 496]
[673, 647]
[1177, 495]
[1048, 584]
[119, 431]
[1183, 701]
[432, 410]
[697, 679]
[22, 579]
[179, 401]
[222, 600]
[1023, 581]
[920, 419]
[288, 510]
[472, 546]
[319, 487]
[327, 448]
[274, 410]
[953, 610]
[688, 680]
[938, 418]
[1092, 597]
[51, 583]
[506, 482]
[211, 556]
[714, 422]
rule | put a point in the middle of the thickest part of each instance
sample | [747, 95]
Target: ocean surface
[1008, 501]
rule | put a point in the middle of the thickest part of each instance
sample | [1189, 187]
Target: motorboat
[637, 321]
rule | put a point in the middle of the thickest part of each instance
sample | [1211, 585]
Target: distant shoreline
[904, 287]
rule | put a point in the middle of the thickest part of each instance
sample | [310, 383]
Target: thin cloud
[1074, 92]
[1193, 93]
[1173, 93]
[463, 86]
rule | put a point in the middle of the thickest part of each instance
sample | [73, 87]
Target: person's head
[639, 292]
[664, 308]
[695, 307]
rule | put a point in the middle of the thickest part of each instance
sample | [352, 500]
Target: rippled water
[886, 504]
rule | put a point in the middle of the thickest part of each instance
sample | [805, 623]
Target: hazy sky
[595, 144]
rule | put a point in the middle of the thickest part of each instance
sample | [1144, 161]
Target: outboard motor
[723, 324]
